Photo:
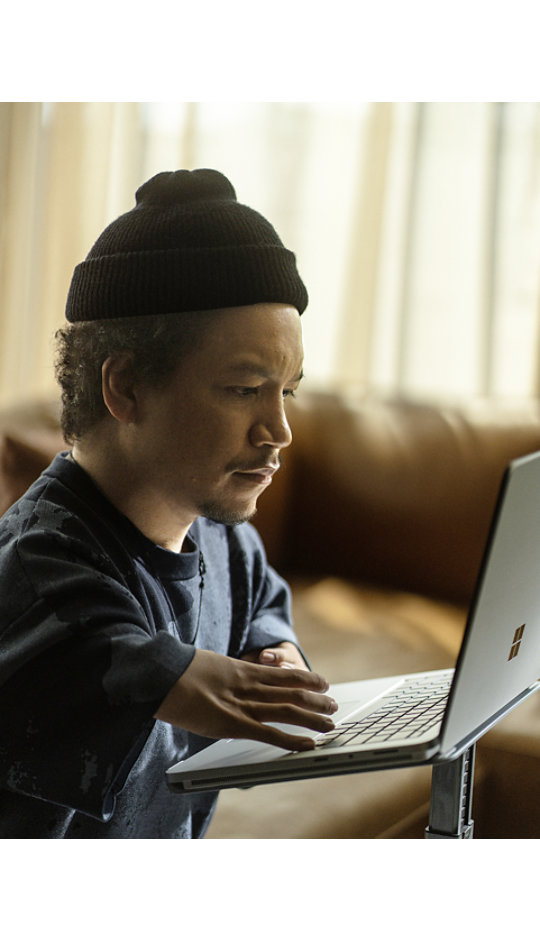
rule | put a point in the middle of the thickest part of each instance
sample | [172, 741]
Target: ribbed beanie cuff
[187, 245]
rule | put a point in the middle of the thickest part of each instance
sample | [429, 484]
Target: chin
[227, 515]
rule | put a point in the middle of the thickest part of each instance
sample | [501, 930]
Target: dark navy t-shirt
[96, 625]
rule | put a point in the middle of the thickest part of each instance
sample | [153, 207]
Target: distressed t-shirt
[96, 625]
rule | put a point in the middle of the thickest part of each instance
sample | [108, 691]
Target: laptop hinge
[461, 746]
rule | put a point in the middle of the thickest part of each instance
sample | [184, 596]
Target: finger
[298, 698]
[287, 693]
[293, 715]
[292, 678]
[267, 734]
[274, 657]
[269, 657]
[286, 655]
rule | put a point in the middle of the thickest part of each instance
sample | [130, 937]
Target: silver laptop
[425, 717]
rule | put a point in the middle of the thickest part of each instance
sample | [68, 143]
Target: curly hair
[157, 345]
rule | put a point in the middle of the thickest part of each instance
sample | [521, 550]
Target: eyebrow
[257, 369]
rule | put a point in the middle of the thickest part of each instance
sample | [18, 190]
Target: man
[139, 616]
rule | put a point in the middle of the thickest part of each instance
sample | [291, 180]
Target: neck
[130, 487]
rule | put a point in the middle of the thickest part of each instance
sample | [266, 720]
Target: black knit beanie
[187, 245]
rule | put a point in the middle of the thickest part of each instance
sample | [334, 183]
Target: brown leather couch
[378, 518]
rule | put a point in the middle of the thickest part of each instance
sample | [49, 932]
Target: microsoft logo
[516, 642]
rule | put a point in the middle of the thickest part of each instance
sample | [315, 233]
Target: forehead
[267, 337]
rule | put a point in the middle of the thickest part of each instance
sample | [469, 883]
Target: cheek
[200, 433]
[208, 442]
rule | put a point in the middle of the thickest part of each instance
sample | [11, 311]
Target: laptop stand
[451, 798]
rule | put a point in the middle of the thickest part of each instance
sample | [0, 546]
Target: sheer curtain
[457, 305]
[416, 227]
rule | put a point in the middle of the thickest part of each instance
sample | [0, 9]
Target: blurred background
[416, 227]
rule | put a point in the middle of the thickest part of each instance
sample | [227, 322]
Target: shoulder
[56, 526]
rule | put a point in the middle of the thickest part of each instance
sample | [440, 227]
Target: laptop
[398, 721]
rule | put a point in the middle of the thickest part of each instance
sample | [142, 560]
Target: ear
[119, 389]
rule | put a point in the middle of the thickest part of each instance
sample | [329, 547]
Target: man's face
[211, 439]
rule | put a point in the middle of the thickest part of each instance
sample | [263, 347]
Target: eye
[244, 391]
[289, 393]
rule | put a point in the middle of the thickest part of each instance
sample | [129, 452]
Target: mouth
[257, 476]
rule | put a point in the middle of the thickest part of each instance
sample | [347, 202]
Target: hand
[284, 654]
[221, 697]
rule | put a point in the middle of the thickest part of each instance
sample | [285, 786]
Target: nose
[271, 428]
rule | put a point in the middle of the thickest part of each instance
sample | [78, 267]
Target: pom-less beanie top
[187, 245]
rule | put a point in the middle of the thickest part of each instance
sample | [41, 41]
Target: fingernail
[267, 657]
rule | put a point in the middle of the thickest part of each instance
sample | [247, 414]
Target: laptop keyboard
[413, 709]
